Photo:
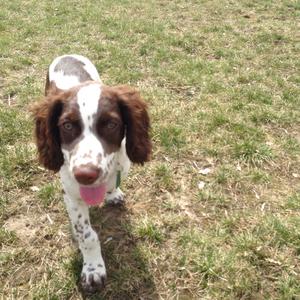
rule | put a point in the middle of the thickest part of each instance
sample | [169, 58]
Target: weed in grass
[214, 87]
[252, 250]
[218, 120]
[163, 174]
[149, 231]
[13, 126]
[245, 241]
[211, 151]
[289, 286]
[16, 166]
[188, 237]
[292, 145]
[291, 95]
[7, 237]
[293, 201]
[288, 233]
[229, 225]
[257, 176]
[206, 262]
[252, 152]
[3, 201]
[263, 117]
[242, 131]
[258, 96]
[249, 78]
[63, 288]
[282, 232]
[268, 38]
[172, 137]
[213, 199]
[13, 259]
[224, 175]
[238, 105]
[49, 193]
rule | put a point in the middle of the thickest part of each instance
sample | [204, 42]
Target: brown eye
[111, 125]
[68, 126]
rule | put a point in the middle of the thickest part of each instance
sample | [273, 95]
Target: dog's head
[83, 128]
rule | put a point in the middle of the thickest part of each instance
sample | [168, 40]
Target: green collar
[118, 181]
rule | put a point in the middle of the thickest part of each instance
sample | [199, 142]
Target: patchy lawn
[215, 214]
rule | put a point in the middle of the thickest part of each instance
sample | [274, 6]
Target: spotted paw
[93, 278]
[115, 197]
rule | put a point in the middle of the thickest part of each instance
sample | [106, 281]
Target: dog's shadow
[127, 273]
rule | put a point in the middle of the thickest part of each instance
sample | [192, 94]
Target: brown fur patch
[136, 118]
[125, 103]
[46, 115]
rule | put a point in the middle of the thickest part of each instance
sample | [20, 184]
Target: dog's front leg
[93, 273]
[115, 197]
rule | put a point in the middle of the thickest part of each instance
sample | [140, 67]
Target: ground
[215, 214]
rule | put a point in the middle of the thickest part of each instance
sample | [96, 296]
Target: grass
[222, 82]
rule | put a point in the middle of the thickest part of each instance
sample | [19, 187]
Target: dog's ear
[46, 114]
[136, 119]
[51, 88]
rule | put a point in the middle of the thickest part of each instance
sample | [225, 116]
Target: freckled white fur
[88, 241]
[87, 151]
[90, 147]
[88, 101]
[65, 82]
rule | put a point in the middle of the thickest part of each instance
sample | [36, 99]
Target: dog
[89, 133]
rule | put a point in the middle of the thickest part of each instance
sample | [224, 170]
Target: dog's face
[91, 130]
[83, 128]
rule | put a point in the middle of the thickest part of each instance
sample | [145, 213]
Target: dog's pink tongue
[93, 195]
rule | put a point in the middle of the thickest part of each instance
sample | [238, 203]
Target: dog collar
[118, 181]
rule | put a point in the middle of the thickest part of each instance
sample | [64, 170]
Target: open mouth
[93, 195]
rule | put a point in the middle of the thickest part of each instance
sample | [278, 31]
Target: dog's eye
[68, 126]
[111, 125]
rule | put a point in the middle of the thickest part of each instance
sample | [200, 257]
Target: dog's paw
[93, 278]
[115, 197]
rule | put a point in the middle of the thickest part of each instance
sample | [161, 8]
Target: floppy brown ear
[136, 119]
[46, 114]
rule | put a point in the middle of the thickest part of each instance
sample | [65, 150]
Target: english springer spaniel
[89, 133]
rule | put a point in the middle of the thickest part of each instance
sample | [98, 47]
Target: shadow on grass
[127, 274]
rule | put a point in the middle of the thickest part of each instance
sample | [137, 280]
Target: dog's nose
[86, 174]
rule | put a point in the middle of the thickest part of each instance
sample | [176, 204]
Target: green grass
[222, 82]
[49, 194]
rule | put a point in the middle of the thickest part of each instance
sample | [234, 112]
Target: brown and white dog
[89, 132]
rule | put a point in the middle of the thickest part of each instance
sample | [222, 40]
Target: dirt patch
[23, 226]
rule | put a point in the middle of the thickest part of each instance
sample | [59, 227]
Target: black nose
[86, 174]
